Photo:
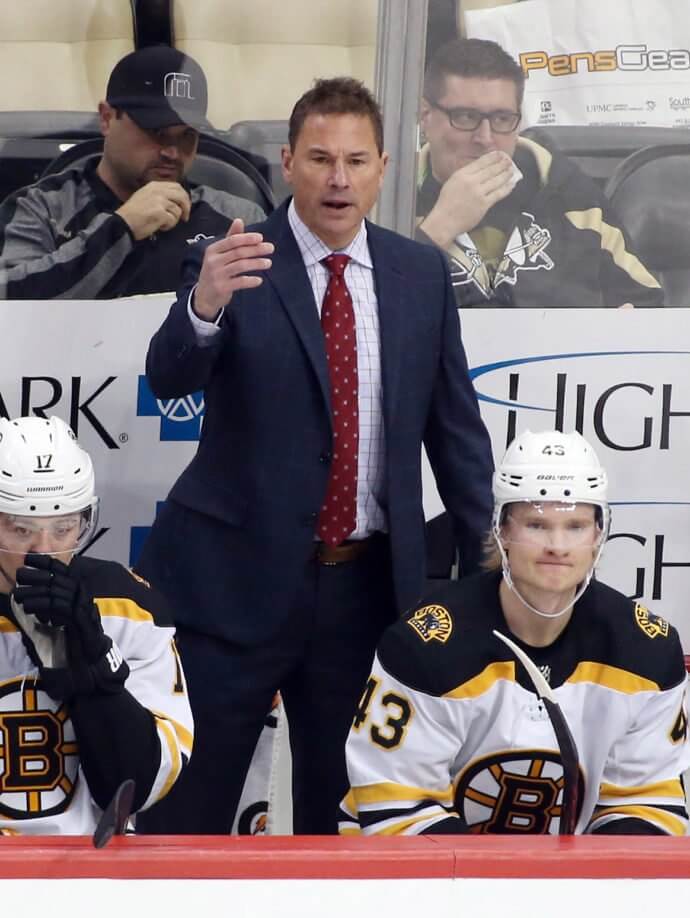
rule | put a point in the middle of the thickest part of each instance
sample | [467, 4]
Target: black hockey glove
[63, 633]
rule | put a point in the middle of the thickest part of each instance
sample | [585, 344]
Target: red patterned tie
[339, 511]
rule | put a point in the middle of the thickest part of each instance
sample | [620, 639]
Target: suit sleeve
[34, 266]
[457, 441]
[177, 363]
[641, 792]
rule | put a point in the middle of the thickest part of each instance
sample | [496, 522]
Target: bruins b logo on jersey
[38, 753]
[432, 623]
[652, 625]
[518, 792]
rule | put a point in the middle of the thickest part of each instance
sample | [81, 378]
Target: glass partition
[579, 202]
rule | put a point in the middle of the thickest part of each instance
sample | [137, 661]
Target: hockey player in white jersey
[449, 735]
[91, 689]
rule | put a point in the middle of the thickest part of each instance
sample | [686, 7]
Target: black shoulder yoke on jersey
[608, 627]
[110, 580]
[448, 639]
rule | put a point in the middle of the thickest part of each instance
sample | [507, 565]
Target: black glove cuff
[107, 676]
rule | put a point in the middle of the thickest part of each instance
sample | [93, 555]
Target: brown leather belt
[346, 551]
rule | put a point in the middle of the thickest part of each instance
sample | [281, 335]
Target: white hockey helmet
[43, 469]
[550, 466]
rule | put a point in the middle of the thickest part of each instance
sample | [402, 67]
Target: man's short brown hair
[336, 96]
[471, 58]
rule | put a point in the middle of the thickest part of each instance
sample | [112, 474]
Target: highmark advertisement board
[618, 376]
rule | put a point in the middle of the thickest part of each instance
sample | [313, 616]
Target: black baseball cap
[159, 87]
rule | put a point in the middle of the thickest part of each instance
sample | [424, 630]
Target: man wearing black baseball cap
[122, 224]
[159, 87]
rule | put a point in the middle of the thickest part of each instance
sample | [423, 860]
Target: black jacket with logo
[564, 245]
[61, 239]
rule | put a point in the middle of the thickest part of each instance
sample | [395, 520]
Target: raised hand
[225, 266]
[467, 196]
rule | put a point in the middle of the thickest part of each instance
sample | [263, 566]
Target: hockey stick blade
[566, 744]
[114, 817]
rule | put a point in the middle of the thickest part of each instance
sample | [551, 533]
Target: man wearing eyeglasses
[522, 225]
[121, 224]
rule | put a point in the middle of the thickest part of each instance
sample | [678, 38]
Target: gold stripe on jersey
[119, 607]
[398, 828]
[613, 242]
[378, 793]
[620, 680]
[21, 678]
[175, 756]
[7, 627]
[184, 735]
[486, 679]
[671, 788]
[665, 820]
[349, 804]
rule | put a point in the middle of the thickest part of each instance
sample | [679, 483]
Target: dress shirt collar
[314, 250]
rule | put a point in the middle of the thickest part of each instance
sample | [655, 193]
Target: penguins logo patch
[466, 265]
[525, 251]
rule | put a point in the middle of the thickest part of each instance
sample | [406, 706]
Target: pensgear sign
[588, 62]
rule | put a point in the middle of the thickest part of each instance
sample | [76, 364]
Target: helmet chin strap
[507, 576]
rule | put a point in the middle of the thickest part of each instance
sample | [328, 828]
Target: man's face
[550, 546]
[336, 172]
[57, 536]
[449, 148]
[135, 157]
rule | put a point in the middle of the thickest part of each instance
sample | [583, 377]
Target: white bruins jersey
[43, 790]
[449, 724]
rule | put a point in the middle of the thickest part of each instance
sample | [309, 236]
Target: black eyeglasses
[501, 121]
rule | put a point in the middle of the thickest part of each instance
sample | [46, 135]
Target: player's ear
[424, 112]
[286, 163]
[106, 113]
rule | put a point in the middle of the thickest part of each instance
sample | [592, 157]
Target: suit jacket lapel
[289, 277]
[390, 293]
